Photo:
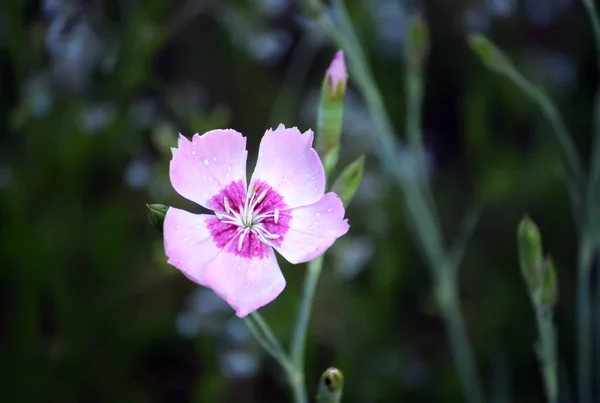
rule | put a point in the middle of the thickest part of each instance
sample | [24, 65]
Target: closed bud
[331, 111]
[156, 215]
[549, 283]
[331, 386]
[337, 75]
[530, 251]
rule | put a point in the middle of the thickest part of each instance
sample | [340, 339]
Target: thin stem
[299, 337]
[590, 6]
[422, 219]
[267, 341]
[584, 332]
[547, 349]
[448, 300]
[593, 184]
[560, 129]
[414, 91]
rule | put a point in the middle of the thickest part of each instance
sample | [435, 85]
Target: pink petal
[313, 229]
[245, 284]
[201, 168]
[288, 163]
[188, 242]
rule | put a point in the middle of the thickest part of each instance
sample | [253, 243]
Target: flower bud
[530, 251]
[330, 113]
[337, 75]
[331, 386]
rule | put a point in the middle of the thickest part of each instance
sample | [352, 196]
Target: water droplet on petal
[205, 162]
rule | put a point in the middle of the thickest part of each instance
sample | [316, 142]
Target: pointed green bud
[331, 386]
[489, 54]
[549, 283]
[347, 183]
[530, 251]
[331, 111]
[418, 43]
[156, 215]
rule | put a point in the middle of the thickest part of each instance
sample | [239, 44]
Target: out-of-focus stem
[422, 218]
[547, 349]
[584, 341]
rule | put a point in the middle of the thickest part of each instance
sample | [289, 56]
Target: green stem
[422, 218]
[299, 337]
[547, 349]
[562, 134]
[584, 331]
[265, 337]
[462, 354]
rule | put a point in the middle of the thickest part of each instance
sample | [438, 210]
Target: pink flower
[284, 208]
[336, 75]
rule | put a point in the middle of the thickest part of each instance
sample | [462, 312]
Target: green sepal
[348, 181]
[156, 215]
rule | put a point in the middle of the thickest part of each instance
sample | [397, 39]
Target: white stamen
[219, 215]
[276, 215]
[260, 197]
[227, 207]
[241, 238]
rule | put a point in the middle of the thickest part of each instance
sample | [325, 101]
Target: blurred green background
[93, 94]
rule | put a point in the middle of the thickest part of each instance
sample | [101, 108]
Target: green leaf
[347, 183]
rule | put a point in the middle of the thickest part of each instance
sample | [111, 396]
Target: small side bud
[530, 251]
[156, 215]
[348, 182]
[549, 283]
[331, 112]
[489, 54]
[331, 386]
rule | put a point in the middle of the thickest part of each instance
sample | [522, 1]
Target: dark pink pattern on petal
[235, 193]
[252, 247]
[222, 233]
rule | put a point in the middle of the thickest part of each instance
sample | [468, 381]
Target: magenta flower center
[255, 220]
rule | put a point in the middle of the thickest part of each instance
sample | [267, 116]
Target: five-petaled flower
[284, 208]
